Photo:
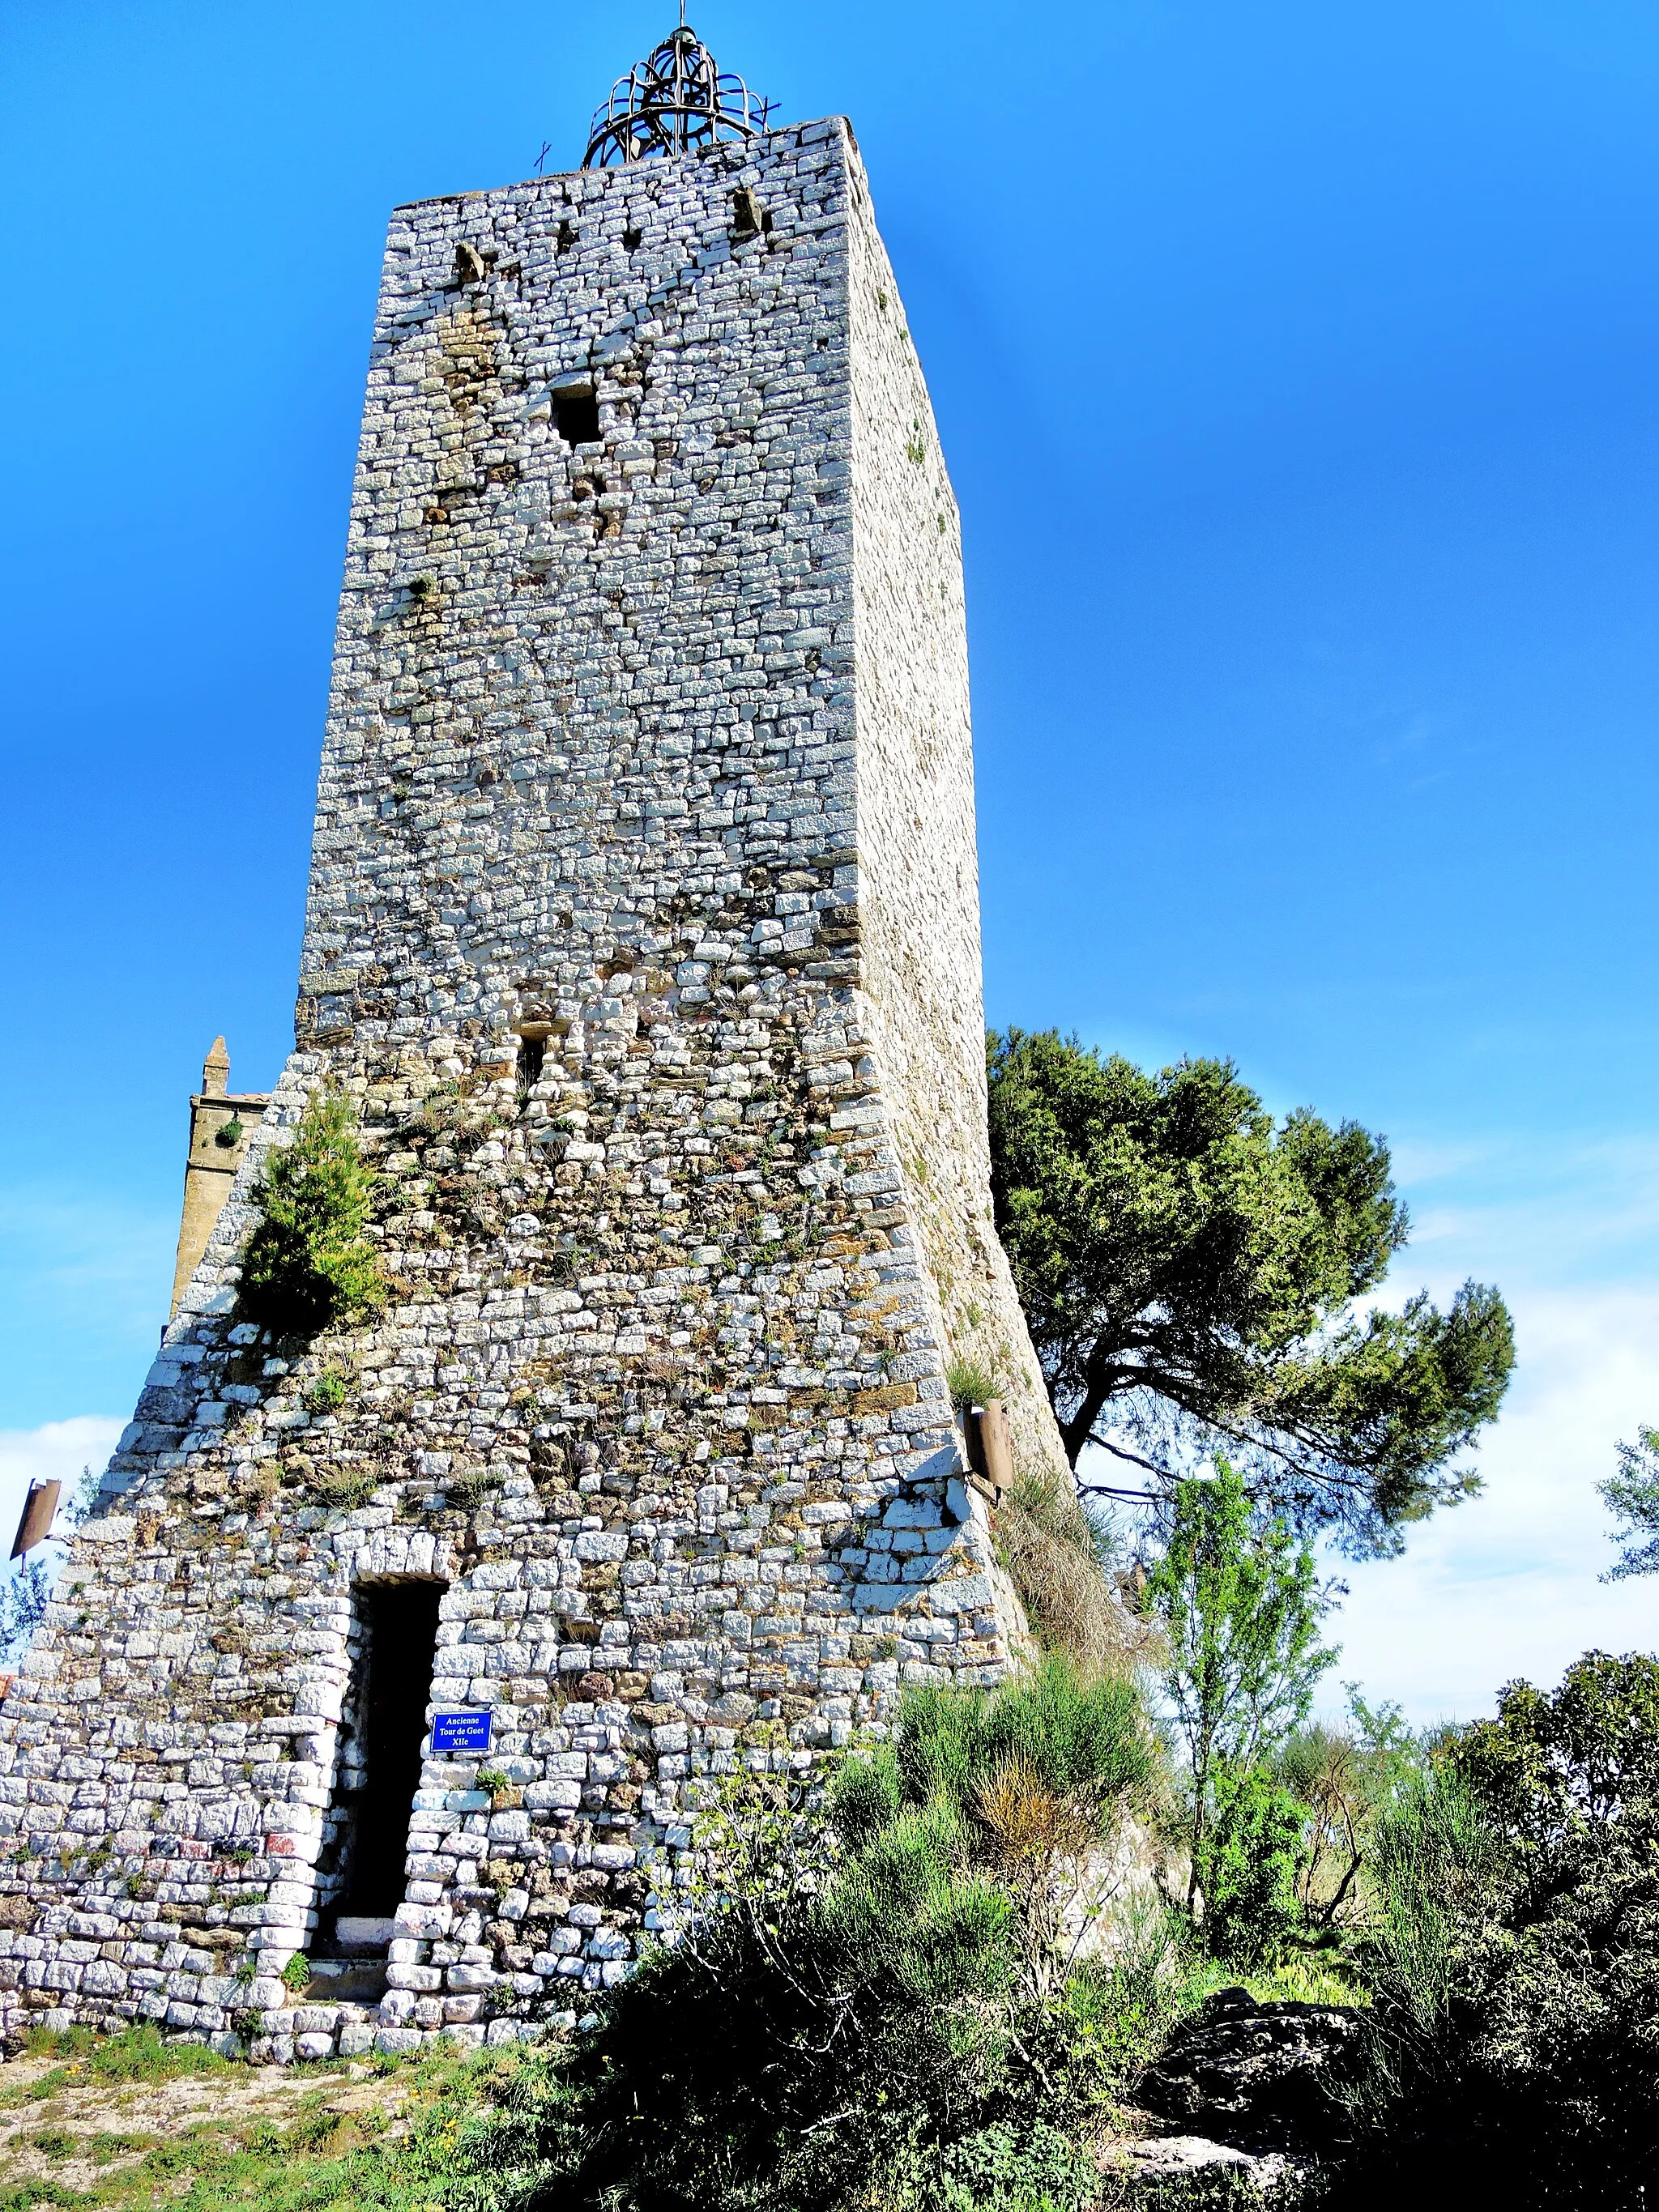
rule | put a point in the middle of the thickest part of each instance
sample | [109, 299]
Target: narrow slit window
[576, 416]
[377, 1766]
[532, 1051]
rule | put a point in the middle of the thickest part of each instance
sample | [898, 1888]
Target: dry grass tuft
[1031, 1826]
[1047, 1545]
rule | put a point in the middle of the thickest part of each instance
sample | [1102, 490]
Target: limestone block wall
[643, 935]
[918, 861]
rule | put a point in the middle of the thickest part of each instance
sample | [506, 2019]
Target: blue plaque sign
[460, 1732]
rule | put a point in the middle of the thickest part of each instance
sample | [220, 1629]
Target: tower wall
[653, 752]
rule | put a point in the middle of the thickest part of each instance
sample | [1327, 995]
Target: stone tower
[643, 937]
[220, 1123]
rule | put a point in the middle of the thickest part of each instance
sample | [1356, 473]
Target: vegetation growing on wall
[309, 1262]
[1059, 1561]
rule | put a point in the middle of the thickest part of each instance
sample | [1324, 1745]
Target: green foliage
[971, 1382]
[1035, 2169]
[1515, 1957]
[309, 1262]
[140, 2054]
[1633, 1495]
[1240, 1612]
[297, 1974]
[1187, 1268]
[1024, 1784]
[1247, 1865]
[839, 2019]
[328, 1392]
[1241, 1608]
[1558, 1770]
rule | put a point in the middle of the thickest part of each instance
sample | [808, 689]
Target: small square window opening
[576, 418]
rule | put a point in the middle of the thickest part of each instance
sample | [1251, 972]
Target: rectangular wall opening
[576, 416]
[377, 1766]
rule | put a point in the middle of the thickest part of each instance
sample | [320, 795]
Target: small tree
[1633, 1495]
[1187, 1269]
[308, 1262]
[1241, 1612]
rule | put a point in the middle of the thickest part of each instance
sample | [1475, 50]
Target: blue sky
[1297, 368]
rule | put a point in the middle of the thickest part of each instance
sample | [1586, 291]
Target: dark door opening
[378, 1764]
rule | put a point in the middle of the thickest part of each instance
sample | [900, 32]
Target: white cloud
[1508, 1584]
[55, 1452]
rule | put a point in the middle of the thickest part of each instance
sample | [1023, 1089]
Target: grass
[140, 2055]
[972, 1382]
[378, 2136]
[1053, 1555]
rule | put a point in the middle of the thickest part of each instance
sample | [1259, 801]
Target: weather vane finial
[675, 101]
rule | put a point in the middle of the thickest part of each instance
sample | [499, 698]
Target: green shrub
[308, 1262]
[848, 2018]
[1247, 1865]
[1515, 1956]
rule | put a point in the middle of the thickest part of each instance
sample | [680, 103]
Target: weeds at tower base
[1054, 1557]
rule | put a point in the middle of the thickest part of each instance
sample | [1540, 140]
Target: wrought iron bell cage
[675, 101]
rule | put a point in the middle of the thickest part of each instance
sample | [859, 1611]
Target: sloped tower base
[643, 936]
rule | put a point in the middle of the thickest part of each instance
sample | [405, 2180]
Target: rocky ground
[1243, 2089]
[1241, 2096]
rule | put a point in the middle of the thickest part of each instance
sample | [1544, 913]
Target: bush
[871, 2002]
[308, 1263]
[1247, 1866]
[1515, 2039]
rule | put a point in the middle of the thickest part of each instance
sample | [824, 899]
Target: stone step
[345, 1981]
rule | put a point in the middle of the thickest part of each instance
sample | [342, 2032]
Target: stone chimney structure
[219, 1126]
[643, 938]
